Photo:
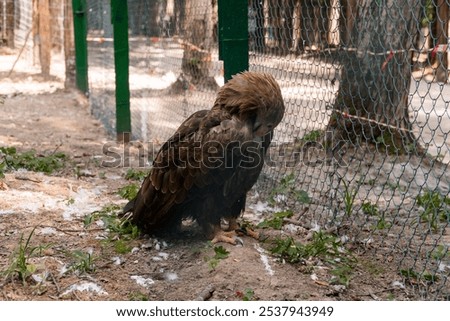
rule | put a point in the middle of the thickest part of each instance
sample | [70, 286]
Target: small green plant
[287, 188]
[129, 191]
[382, 223]
[324, 246]
[312, 136]
[117, 227]
[440, 252]
[414, 277]
[135, 175]
[10, 159]
[83, 262]
[276, 222]
[220, 253]
[349, 195]
[436, 208]
[288, 249]
[369, 208]
[120, 232]
[109, 212]
[19, 262]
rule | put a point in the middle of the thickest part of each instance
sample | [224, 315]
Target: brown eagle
[206, 168]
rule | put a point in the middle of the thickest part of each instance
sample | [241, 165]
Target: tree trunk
[333, 23]
[347, 19]
[372, 101]
[56, 8]
[42, 10]
[196, 62]
[9, 10]
[309, 31]
[69, 49]
[179, 16]
[440, 58]
[287, 18]
[297, 42]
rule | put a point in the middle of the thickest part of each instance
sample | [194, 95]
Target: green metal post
[233, 36]
[119, 16]
[80, 35]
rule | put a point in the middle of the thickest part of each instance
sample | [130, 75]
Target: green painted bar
[233, 36]
[119, 16]
[81, 53]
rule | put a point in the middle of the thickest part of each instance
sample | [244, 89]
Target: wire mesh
[363, 146]
[31, 48]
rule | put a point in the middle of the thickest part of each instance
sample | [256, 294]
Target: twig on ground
[58, 290]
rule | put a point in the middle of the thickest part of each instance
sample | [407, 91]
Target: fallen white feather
[140, 280]
[443, 267]
[398, 284]
[170, 276]
[86, 286]
[164, 255]
[261, 207]
[116, 260]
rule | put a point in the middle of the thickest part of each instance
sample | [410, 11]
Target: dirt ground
[54, 207]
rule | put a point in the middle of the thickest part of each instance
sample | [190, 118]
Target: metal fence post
[80, 35]
[233, 36]
[119, 17]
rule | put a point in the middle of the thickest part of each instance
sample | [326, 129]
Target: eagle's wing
[205, 151]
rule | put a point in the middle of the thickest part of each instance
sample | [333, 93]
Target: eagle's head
[255, 98]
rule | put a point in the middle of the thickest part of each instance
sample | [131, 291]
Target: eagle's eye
[256, 125]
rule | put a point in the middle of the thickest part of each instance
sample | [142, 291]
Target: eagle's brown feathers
[206, 168]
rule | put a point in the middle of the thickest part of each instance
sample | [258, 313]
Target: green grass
[349, 196]
[82, 261]
[11, 160]
[325, 246]
[382, 224]
[135, 175]
[120, 232]
[276, 222]
[128, 191]
[19, 264]
[312, 136]
[414, 277]
[370, 209]
[220, 253]
[440, 252]
[436, 208]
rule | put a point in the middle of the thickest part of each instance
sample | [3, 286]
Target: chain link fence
[363, 147]
[33, 38]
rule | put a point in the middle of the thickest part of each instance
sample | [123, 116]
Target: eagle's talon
[239, 241]
[248, 231]
[222, 236]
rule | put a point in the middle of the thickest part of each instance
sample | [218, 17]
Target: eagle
[205, 169]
